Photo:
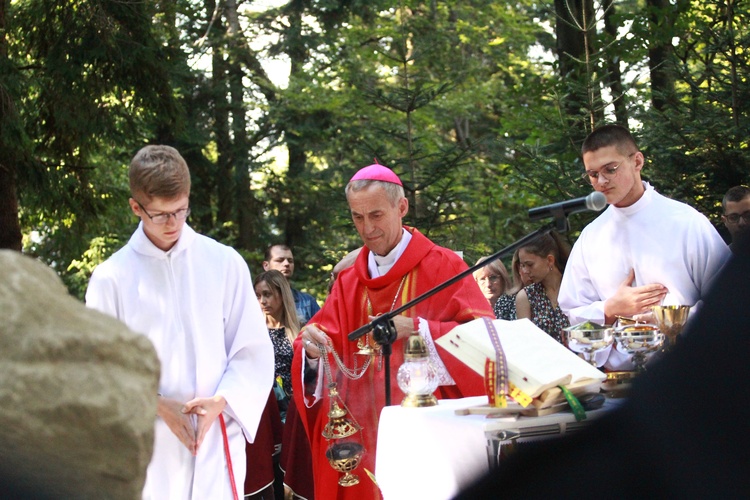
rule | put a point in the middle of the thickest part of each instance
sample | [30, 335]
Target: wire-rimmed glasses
[163, 218]
[492, 278]
[608, 172]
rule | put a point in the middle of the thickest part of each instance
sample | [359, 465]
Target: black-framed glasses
[735, 218]
[608, 172]
[163, 217]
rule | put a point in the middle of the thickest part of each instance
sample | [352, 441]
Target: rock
[77, 391]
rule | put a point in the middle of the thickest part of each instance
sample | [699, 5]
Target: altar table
[434, 453]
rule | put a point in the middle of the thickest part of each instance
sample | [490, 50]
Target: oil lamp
[417, 377]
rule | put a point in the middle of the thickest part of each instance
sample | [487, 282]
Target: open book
[536, 362]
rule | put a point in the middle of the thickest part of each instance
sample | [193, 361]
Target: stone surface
[77, 391]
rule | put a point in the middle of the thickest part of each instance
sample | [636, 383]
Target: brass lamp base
[419, 400]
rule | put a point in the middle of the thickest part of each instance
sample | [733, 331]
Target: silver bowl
[641, 341]
[586, 339]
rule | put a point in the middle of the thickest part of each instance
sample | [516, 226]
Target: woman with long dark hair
[542, 263]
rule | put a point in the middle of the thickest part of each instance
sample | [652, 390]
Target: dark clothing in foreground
[682, 433]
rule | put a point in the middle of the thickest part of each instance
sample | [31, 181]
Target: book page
[535, 360]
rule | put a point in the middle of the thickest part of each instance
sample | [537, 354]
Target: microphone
[595, 201]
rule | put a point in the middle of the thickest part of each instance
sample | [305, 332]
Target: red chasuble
[421, 267]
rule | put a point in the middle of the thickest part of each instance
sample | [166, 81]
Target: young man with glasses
[644, 250]
[194, 300]
[736, 218]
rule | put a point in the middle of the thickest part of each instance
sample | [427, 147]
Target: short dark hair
[283, 246]
[735, 194]
[610, 135]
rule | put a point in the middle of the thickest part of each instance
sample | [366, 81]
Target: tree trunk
[240, 148]
[10, 227]
[219, 90]
[614, 75]
[294, 223]
[660, 51]
[733, 60]
[571, 35]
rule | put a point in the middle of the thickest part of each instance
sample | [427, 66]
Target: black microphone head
[596, 201]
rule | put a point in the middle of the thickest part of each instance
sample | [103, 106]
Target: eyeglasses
[492, 278]
[163, 217]
[735, 218]
[608, 172]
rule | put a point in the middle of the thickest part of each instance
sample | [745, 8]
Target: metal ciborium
[588, 338]
[671, 321]
[640, 341]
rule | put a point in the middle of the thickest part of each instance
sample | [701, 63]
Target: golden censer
[345, 450]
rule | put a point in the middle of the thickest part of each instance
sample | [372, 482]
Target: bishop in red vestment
[397, 264]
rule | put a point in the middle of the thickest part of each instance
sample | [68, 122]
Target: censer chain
[351, 374]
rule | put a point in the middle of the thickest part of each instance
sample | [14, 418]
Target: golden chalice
[671, 320]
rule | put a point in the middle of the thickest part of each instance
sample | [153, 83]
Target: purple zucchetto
[376, 172]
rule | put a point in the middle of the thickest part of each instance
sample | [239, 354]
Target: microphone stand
[382, 327]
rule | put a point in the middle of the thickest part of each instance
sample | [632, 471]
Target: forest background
[479, 106]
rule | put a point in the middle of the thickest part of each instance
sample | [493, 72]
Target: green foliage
[698, 148]
[464, 99]
[91, 84]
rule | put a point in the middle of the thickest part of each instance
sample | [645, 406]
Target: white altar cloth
[430, 452]
[434, 453]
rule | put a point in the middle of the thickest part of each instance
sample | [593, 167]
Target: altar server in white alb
[644, 250]
[194, 299]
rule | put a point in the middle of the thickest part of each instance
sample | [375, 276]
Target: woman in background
[265, 478]
[277, 303]
[493, 281]
[293, 465]
[505, 307]
[542, 263]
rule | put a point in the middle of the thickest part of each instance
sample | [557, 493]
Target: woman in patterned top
[265, 475]
[542, 263]
[277, 303]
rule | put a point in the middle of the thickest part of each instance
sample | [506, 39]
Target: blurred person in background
[275, 298]
[493, 281]
[280, 258]
[736, 216]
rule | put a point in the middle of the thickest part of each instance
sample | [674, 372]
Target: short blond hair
[158, 171]
[498, 268]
